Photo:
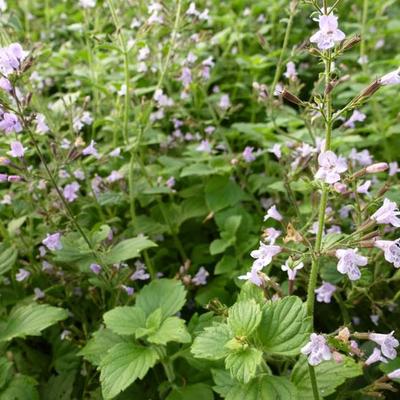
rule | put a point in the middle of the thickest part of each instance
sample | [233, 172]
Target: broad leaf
[20, 388]
[8, 256]
[243, 364]
[285, 327]
[173, 329]
[125, 320]
[244, 317]
[5, 369]
[330, 375]
[222, 192]
[210, 343]
[198, 391]
[30, 320]
[124, 363]
[167, 294]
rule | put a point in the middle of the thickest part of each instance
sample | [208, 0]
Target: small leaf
[210, 343]
[127, 249]
[223, 381]
[30, 320]
[329, 374]
[222, 192]
[124, 363]
[5, 369]
[285, 327]
[167, 294]
[8, 256]
[22, 387]
[243, 364]
[244, 317]
[125, 320]
[173, 329]
[197, 391]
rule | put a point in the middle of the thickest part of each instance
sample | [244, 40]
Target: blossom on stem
[392, 78]
[387, 214]
[391, 249]
[140, 274]
[224, 102]
[349, 261]
[292, 272]
[291, 72]
[10, 123]
[53, 241]
[317, 350]
[272, 235]
[95, 268]
[325, 292]
[201, 277]
[357, 116]
[376, 356]
[248, 154]
[330, 167]
[17, 149]
[70, 191]
[255, 276]
[329, 34]
[41, 126]
[394, 374]
[22, 275]
[273, 213]
[264, 254]
[387, 342]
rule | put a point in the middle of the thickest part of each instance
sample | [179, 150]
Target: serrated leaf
[173, 329]
[124, 363]
[249, 291]
[210, 343]
[264, 387]
[125, 320]
[22, 387]
[329, 374]
[8, 256]
[223, 381]
[127, 249]
[59, 387]
[244, 317]
[167, 294]
[285, 327]
[243, 364]
[98, 346]
[30, 320]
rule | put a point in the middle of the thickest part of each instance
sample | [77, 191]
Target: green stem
[363, 32]
[313, 382]
[169, 370]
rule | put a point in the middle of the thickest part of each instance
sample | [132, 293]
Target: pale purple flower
[65, 334]
[273, 234]
[116, 152]
[95, 268]
[357, 116]
[79, 174]
[22, 275]
[394, 374]
[334, 229]
[317, 350]
[41, 126]
[363, 60]
[5, 84]
[186, 77]
[161, 99]
[377, 167]
[128, 290]
[291, 272]
[248, 154]
[387, 342]
[204, 146]
[273, 213]
[375, 319]
[291, 72]
[140, 274]
[87, 3]
[53, 241]
[254, 276]
[224, 102]
[114, 177]
[349, 261]
[387, 214]
[201, 277]
[391, 249]
[3, 177]
[47, 267]
[39, 294]
[276, 150]
[17, 149]
[3, 5]
[70, 191]
[10, 123]
[329, 34]
[170, 182]
[264, 254]
[364, 188]
[144, 53]
[362, 157]
[379, 44]
[330, 167]
[392, 78]
[325, 292]
[91, 150]
[14, 178]
[375, 357]
[11, 58]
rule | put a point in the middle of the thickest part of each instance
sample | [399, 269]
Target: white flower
[255, 276]
[317, 350]
[273, 213]
[392, 78]
[330, 167]
[387, 214]
[87, 3]
[263, 255]
[328, 34]
[325, 292]
[349, 261]
[394, 374]
[291, 72]
[357, 116]
[273, 234]
[391, 249]
[292, 272]
[376, 356]
[387, 342]
[276, 150]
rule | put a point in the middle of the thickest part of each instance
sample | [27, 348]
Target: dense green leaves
[244, 317]
[284, 326]
[173, 329]
[243, 363]
[124, 363]
[330, 375]
[8, 256]
[30, 320]
[125, 320]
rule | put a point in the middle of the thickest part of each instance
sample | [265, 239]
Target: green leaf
[8, 256]
[223, 381]
[30, 320]
[97, 347]
[222, 192]
[153, 322]
[124, 363]
[173, 329]
[285, 327]
[210, 343]
[59, 387]
[250, 291]
[330, 375]
[198, 391]
[243, 364]
[127, 249]
[167, 294]
[226, 265]
[125, 320]
[5, 369]
[264, 387]
[244, 317]
[21, 388]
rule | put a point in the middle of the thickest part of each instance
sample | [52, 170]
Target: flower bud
[340, 187]
[394, 374]
[378, 167]
[350, 42]
[291, 97]
[14, 178]
[4, 161]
